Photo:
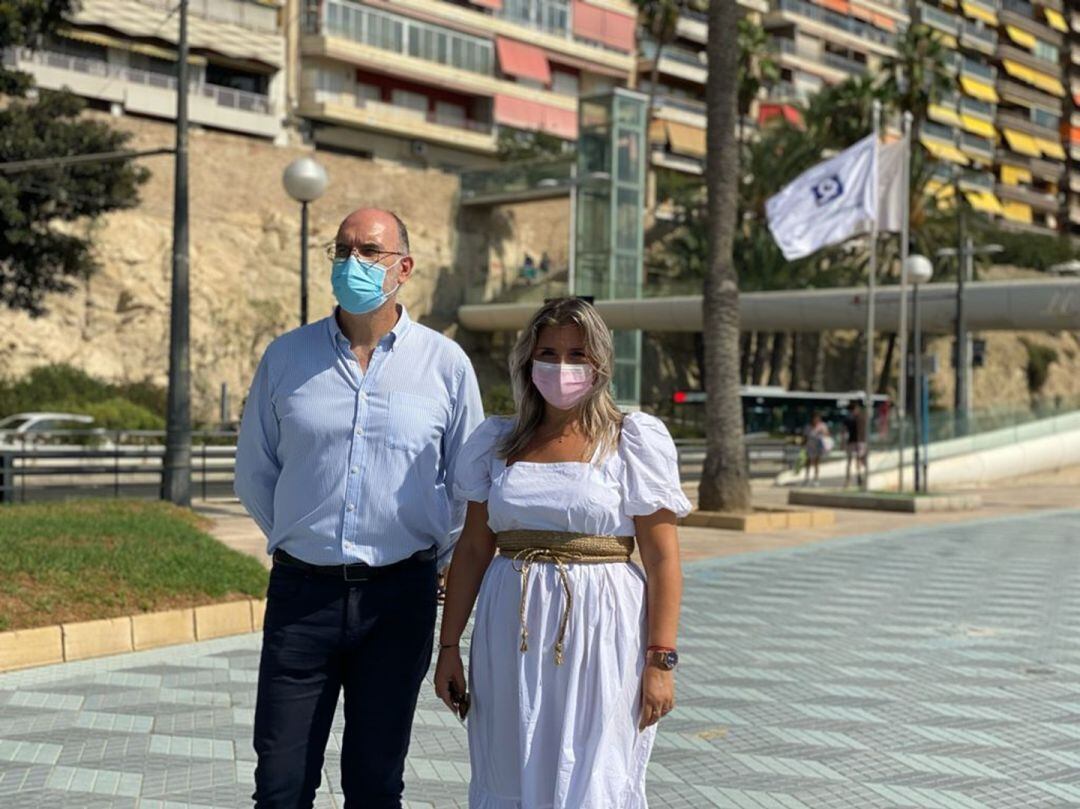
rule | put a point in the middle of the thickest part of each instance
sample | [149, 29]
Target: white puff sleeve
[472, 478]
[650, 468]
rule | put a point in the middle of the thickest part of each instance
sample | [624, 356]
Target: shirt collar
[392, 338]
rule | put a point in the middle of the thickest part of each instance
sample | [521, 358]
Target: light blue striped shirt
[340, 466]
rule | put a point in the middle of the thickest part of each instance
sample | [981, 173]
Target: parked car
[32, 428]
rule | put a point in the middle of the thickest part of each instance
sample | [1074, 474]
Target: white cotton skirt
[543, 736]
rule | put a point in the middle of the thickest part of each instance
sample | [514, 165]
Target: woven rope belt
[525, 548]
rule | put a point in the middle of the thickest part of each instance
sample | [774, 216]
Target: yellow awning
[981, 90]
[977, 126]
[657, 131]
[1021, 143]
[948, 40]
[1016, 212]
[686, 140]
[943, 114]
[120, 44]
[1014, 175]
[1056, 20]
[1021, 37]
[1051, 148]
[984, 201]
[1018, 71]
[944, 151]
[979, 13]
[1049, 84]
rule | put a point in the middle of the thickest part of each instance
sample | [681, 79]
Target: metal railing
[255, 16]
[851, 26]
[402, 113]
[222, 96]
[116, 463]
[1021, 7]
[682, 55]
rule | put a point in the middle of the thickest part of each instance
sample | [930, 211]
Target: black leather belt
[354, 572]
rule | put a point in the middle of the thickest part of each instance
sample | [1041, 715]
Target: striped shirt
[338, 465]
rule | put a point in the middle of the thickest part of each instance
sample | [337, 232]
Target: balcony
[529, 180]
[1023, 15]
[1022, 95]
[147, 93]
[682, 63]
[852, 29]
[940, 20]
[978, 109]
[686, 110]
[1036, 199]
[255, 16]
[398, 121]
[980, 39]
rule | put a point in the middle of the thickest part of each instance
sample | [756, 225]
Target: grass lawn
[80, 560]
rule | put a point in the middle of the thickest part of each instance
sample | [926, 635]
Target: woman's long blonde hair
[600, 419]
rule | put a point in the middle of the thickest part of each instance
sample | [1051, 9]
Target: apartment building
[1070, 129]
[432, 81]
[1000, 137]
[120, 55]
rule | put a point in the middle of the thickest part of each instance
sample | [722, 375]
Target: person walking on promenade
[818, 442]
[855, 444]
[349, 446]
[572, 654]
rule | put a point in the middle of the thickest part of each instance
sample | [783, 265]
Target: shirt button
[350, 507]
[354, 470]
[359, 430]
[363, 396]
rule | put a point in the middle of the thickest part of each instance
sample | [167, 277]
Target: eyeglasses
[367, 252]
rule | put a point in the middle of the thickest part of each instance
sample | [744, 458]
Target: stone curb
[907, 505]
[760, 520]
[61, 643]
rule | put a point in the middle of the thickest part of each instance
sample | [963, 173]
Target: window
[449, 113]
[1045, 51]
[152, 64]
[1044, 118]
[410, 100]
[367, 92]
[546, 15]
[236, 79]
[565, 83]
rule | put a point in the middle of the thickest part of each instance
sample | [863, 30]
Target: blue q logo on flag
[827, 190]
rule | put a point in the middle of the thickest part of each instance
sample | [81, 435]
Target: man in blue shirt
[346, 461]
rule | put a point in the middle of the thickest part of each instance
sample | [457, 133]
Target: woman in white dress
[572, 652]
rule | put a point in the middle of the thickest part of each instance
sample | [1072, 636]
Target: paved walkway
[937, 667]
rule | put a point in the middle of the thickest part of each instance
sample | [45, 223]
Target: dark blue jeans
[321, 635]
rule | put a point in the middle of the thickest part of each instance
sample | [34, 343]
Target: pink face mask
[562, 385]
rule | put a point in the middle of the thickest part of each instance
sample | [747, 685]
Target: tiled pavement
[935, 668]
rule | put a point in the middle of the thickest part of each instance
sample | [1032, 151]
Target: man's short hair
[403, 232]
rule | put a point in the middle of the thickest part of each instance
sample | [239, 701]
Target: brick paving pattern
[936, 668]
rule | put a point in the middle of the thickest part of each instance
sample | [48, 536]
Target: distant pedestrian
[855, 431]
[528, 269]
[818, 441]
[346, 460]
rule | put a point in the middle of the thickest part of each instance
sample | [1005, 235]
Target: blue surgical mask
[358, 284]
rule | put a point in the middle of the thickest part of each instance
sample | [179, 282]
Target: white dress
[543, 736]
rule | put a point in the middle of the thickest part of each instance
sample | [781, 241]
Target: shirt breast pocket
[415, 422]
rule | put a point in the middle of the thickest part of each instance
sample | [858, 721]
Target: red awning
[606, 27]
[492, 4]
[523, 114]
[523, 61]
[767, 112]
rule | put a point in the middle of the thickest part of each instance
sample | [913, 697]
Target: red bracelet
[660, 649]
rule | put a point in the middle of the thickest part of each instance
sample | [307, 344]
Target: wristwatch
[664, 659]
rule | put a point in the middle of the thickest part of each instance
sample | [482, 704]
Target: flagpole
[868, 409]
[905, 238]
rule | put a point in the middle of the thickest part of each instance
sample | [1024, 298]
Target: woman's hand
[449, 669]
[657, 695]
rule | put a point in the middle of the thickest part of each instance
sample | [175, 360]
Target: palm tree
[725, 480]
[757, 68]
[919, 74]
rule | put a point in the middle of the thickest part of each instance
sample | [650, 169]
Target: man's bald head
[374, 226]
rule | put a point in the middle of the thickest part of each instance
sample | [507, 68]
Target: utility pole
[176, 468]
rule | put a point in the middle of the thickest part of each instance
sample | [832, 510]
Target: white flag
[826, 204]
[891, 187]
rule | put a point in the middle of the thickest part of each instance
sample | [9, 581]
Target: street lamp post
[305, 181]
[918, 270]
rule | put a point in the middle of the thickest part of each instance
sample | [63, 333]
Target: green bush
[1033, 250]
[61, 387]
[498, 401]
[1040, 358]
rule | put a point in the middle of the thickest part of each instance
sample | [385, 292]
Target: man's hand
[440, 587]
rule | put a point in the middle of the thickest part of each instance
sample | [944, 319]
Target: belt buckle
[363, 576]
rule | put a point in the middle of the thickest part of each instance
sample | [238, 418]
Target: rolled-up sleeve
[468, 412]
[257, 465]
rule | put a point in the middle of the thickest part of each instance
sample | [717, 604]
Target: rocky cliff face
[244, 264]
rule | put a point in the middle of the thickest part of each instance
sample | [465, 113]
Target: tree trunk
[885, 377]
[725, 481]
[761, 350]
[817, 374]
[746, 346]
[776, 361]
[795, 382]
